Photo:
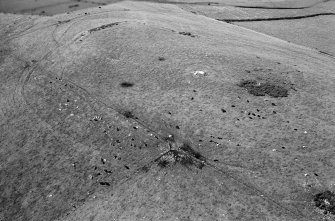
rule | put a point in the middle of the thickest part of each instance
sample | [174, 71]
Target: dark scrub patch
[126, 84]
[187, 34]
[128, 114]
[188, 149]
[161, 58]
[63, 22]
[174, 157]
[102, 27]
[73, 6]
[162, 163]
[262, 89]
[325, 201]
[182, 158]
[104, 183]
[187, 159]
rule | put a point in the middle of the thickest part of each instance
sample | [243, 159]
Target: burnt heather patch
[102, 27]
[187, 34]
[128, 114]
[188, 149]
[174, 157]
[126, 84]
[261, 89]
[325, 201]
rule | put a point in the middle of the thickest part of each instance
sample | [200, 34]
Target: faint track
[26, 31]
[227, 173]
[327, 54]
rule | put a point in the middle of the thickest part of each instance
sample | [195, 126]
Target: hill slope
[134, 108]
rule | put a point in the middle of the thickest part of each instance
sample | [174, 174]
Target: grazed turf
[117, 126]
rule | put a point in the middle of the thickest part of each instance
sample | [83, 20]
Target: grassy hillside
[144, 111]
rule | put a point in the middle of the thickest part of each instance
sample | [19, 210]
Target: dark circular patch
[262, 89]
[325, 201]
[126, 84]
[128, 114]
